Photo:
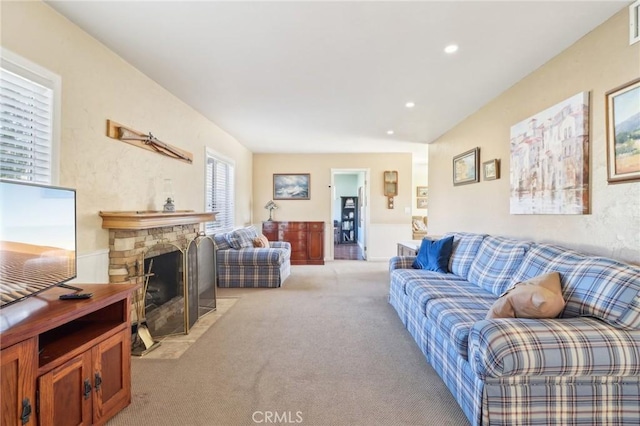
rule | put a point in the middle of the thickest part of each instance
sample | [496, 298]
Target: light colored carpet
[326, 349]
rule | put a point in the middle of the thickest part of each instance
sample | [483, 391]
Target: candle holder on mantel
[168, 207]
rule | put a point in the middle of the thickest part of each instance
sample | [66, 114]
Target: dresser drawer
[293, 226]
[269, 226]
[298, 255]
[298, 245]
[294, 235]
[270, 230]
[316, 226]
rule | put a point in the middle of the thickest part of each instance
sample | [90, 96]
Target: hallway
[347, 252]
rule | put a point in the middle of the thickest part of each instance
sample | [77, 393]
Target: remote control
[75, 296]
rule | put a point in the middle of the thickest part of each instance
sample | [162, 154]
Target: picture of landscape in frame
[291, 186]
[623, 133]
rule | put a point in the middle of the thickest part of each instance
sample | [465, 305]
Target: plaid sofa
[239, 264]
[580, 368]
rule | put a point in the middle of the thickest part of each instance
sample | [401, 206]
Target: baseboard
[378, 259]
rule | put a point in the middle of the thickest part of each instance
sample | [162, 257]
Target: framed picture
[421, 203]
[549, 160]
[623, 132]
[466, 167]
[291, 186]
[491, 169]
[422, 191]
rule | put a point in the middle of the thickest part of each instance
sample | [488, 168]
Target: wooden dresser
[306, 238]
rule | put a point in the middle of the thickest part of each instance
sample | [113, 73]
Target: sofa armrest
[401, 262]
[280, 245]
[552, 347]
[251, 256]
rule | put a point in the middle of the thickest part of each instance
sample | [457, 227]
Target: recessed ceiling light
[390, 132]
[452, 48]
[410, 104]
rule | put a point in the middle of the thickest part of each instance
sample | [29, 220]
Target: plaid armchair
[240, 264]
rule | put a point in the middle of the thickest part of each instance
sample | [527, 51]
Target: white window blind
[26, 126]
[219, 196]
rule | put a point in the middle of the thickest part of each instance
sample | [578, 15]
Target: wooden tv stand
[75, 353]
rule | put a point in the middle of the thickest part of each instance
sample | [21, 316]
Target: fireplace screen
[180, 286]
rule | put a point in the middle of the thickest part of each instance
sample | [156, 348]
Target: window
[219, 193]
[634, 22]
[29, 113]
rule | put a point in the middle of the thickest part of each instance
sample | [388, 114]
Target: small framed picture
[623, 130]
[422, 191]
[421, 203]
[291, 186]
[466, 167]
[491, 169]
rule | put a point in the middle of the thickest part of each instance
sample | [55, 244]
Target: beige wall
[318, 208]
[98, 85]
[600, 61]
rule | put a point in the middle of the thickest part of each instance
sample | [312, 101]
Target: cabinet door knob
[26, 411]
[98, 382]
[87, 389]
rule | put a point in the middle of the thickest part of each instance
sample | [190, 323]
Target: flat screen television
[37, 238]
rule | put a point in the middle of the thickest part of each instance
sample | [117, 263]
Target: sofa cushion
[242, 238]
[592, 286]
[605, 289]
[464, 250]
[497, 260]
[434, 255]
[421, 291]
[454, 317]
[543, 258]
[402, 276]
[221, 242]
[539, 297]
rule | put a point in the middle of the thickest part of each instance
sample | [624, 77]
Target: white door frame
[365, 206]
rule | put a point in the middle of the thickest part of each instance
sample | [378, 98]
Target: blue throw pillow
[434, 255]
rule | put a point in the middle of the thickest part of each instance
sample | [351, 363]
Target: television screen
[37, 238]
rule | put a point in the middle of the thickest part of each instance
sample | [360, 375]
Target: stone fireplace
[166, 252]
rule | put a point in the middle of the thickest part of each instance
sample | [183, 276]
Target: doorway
[349, 213]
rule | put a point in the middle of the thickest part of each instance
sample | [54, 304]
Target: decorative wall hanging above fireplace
[146, 141]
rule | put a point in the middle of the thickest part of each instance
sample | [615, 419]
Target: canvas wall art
[549, 168]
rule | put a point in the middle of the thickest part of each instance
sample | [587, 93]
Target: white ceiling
[331, 77]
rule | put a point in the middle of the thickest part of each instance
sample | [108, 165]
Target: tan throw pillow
[539, 297]
[261, 241]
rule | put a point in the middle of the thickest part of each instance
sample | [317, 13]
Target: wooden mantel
[152, 219]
